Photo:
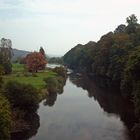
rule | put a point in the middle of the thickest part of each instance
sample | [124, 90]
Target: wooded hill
[116, 56]
[19, 54]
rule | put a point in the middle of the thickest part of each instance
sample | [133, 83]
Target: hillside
[19, 54]
[115, 56]
[22, 53]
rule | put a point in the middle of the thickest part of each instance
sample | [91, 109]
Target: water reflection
[33, 121]
[109, 98]
[99, 115]
[52, 96]
[50, 100]
[53, 65]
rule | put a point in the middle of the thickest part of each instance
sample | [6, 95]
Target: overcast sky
[58, 25]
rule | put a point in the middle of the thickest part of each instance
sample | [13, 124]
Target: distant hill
[22, 53]
[19, 54]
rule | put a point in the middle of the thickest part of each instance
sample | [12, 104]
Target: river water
[84, 111]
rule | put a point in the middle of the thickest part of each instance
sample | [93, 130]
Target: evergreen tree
[41, 50]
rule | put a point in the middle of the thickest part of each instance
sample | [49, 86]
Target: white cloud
[61, 23]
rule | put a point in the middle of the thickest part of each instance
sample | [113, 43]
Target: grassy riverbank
[23, 91]
[35, 79]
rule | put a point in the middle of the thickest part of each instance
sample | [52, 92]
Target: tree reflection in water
[52, 97]
[109, 98]
[50, 100]
[33, 121]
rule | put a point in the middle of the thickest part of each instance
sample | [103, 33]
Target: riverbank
[19, 74]
[40, 83]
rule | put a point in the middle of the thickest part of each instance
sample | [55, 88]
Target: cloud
[61, 23]
[65, 8]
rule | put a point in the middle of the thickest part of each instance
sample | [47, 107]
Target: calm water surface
[84, 112]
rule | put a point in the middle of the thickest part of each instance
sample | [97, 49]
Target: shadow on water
[105, 93]
[50, 100]
[52, 97]
[33, 121]
[109, 98]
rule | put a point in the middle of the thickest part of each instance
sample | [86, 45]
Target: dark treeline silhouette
[33, 122]
[109, 99]
[55, 85]
[115, 56]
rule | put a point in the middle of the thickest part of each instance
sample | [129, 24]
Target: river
[84, 111]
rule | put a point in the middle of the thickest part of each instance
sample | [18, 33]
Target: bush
[60, 71]
[5, 119]
[22, 95]
[55, 84]
[61, 83]
[51, 84]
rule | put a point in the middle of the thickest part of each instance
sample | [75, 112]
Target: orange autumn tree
[35, 61]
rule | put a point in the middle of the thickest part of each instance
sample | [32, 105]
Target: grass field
[16, 67]
[34, 79]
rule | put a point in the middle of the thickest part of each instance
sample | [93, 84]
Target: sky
[59, 25]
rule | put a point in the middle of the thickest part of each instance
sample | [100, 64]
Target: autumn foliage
[35, 61]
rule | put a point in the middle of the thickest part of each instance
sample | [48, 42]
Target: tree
[41, 50]
[23, 96]
[55, 84]
[131, 19]
[60, 71]
[6, 55]
[52, 84]
[120, 29]
[35, 61]
[132, 24]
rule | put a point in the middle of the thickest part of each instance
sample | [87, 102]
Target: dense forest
[115, 56]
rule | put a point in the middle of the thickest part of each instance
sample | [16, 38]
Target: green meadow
[35, 79]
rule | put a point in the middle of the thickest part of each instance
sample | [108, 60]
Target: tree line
[115, 56]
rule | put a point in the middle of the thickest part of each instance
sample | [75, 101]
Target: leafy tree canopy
[35, 61]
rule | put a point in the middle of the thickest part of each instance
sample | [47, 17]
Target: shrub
[60, 71]
[55, 84]
[22, 95]
[5, 119]
[51, 84]
[61, 83]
